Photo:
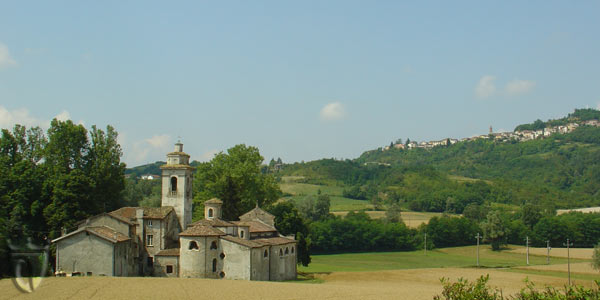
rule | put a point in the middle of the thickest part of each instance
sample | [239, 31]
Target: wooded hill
[560, 171]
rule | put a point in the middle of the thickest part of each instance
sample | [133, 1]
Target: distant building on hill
[163, 241]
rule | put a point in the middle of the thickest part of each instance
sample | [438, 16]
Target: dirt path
[582, 253]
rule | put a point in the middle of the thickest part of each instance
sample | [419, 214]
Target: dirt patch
[582, 268]
[582, 253]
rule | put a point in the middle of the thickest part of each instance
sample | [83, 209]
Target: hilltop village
[517, 135]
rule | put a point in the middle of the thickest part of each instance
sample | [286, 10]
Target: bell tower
[177, 177]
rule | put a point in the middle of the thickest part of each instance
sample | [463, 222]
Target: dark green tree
[495, 230]
[236, 179]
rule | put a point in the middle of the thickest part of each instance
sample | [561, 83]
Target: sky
[300, 80]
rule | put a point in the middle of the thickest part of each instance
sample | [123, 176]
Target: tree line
[50, 180]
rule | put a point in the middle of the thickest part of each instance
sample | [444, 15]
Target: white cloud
[333, 111]
[158, 141]
[517, 87]
[485, 88]
[21, 116]
[206, 156]
[63, 116]
[5, 58]
[598, 106]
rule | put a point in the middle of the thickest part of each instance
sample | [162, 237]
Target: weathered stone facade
[162, 241]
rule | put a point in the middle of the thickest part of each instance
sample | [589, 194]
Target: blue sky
[300, 80]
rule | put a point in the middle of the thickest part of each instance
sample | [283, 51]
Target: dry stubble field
[394, 284]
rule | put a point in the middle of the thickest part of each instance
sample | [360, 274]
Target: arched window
[214, 264]
[241, 233]
[292, 250]
[210, 212]
[213, 245]
[287, 251]
[280, 252]
[266, 254]
[193, 245]
[173, 185]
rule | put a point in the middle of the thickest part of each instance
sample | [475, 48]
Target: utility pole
[425, 245]
[548, 253]
[527, 245]
[568, 259]
[478, 236]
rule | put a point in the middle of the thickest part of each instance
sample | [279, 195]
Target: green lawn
[439, 258]
[338, 203]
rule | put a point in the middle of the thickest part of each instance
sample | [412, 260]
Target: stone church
[163, 241]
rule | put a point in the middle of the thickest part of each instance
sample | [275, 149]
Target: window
[213, 245]
[266, 254]
[242, 234]
[280, 252]
[169, 269]
[149, 240]
[210, 212]
[222, 256]
[292, 250]
[214, 264]
[193, 245]
[149, 223]
[150, 262]
[173, 191]
[287, 251]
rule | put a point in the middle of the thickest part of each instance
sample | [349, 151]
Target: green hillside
[560, 171]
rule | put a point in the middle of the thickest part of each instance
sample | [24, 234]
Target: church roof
[103, 232]
[275, 241]
[213, 201]
[177, 167]
[256, 211]
[212, 222]
[168, 252]
[149, 212]
[202, 230]
[256, 226]
[243, 242]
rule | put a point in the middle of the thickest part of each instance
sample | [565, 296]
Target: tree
[393, 213]
[322, 207]
[303, 247]
[531, 215]
[287, 219]
[236, 179]
[494, 230]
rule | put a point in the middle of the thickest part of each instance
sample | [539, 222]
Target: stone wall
[84, 252]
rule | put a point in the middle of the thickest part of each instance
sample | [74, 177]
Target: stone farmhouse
[163, 241]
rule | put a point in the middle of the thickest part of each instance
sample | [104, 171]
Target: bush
[465, 290]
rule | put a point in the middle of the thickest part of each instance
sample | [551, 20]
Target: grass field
[439, 258]
[338, 203]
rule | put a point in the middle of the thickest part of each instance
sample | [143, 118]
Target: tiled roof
[117, 217]
[213, 222]
[108, 233]
[103, 232]
[274, 241]
[202, 230]
[243, 242]
[256, 226]
[168, 252]
[213, 201]
[149, 212]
